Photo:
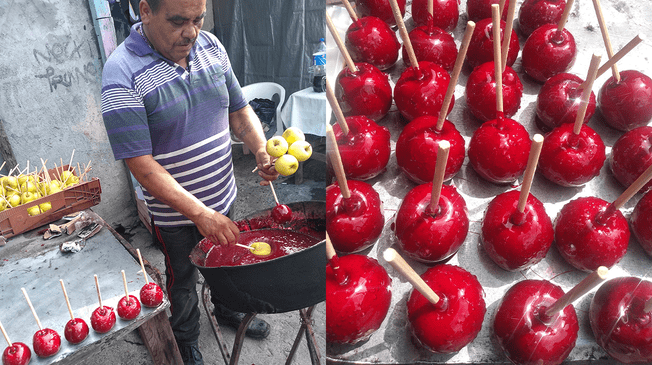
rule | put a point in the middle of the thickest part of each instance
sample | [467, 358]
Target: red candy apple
[103, 319]
[516, 241]
[641, 222]
[524, 335]
[499, 150]
[371, 40]
[416, 149]
[589, 233]
[128, 307]
[631, 155]
[548, 52]
[76, 330]
[481, 92]
[380, 9]
[628, 104]
[365, 92]
[568, 159]
[420, 91]
[432, 44]
[151, 295]
[354, 223]
[16, 354]
[535, 13]
[619, 322]
[478, 10]
[559, 100]
[445, 14]
[46, 342]
[457, 317]
[365, 150]
[427, 236]
[358, 295]
[481, 46]
[281, 214]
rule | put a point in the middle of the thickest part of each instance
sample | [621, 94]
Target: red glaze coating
[355, 223]
[481, 46]
[547, 52]
[535, 13]
[456, 319]
[523, 336]
[641, 222]
[357, 305]
[481, 92]
[516, 241]
[371, 40]
[366, 92]
[631, 155]
[103, 319]
[481, 9]
[380, 9]
[421, 91]
[128, 308]
[568, 159]
[446, 13]
[46, 342]
[431, 238]
[417, 146]
[499, 150]
[434, 45]
[16, 354]
[619, 324]
[365, 150]
[281, 214]
[559, 100]
[151, 295]
[587, 236]
[627, 104]
[76, 331]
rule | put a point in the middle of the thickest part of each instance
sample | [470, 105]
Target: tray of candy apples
[491, 204]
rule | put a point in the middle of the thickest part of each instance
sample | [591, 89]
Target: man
[169, 97]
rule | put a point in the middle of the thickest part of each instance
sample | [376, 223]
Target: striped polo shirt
[151, 105]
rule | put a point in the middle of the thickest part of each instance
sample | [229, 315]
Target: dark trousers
[181, 278]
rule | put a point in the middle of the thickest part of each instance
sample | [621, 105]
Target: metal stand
[234, 357]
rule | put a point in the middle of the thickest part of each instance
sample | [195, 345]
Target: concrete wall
[50, 84]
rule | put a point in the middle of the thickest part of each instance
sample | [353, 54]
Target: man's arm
[158, 182]
[246, 126]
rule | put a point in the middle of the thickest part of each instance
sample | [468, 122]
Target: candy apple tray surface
[393, 343]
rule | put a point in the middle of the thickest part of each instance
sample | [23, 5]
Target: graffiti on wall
[61, 63]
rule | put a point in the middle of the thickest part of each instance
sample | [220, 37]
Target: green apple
[276, 146]
[286, 165]
[293, 134]
[45, 206]
[34, 210]
[14, 200]
[302, 150]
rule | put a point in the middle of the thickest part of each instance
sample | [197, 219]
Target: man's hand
[217, 228]
[265, 168]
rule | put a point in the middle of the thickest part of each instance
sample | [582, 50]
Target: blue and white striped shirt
[151, 105]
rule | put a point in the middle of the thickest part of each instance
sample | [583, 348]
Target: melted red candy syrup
[371, 40]
[434, 45]
[281, 214]
[445, 14]
[282, 243]
[559, 101]
[548, 52]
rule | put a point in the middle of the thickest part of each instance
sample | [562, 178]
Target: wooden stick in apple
[46, 341]
[404, 34]
[339, 116]
[528, 175]
[507, 34]
[618, 56]
[498, 69]
[334, 261]
[16, 353]
[605, 37]
[71, 156]
[583, 287]
[340, 44]
[151, 294]
[281, 213]
[76, 329]
[103, 318]
[430, 6]
[336, 161]
[438, 178]
[586, 94]
[398, 263]
[128, 306]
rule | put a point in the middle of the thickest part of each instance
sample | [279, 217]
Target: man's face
[174, 28]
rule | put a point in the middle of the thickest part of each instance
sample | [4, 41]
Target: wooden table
[35, 264]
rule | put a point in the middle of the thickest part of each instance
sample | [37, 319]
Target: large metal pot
[279, 285]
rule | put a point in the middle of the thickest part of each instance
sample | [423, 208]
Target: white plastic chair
[265, 90]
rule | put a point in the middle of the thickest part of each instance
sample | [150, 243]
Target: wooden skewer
[46, 173]
[339, 116]
[605, 37]
[31, 307]
[142, 265]
[528, 176]
[350, 10]
[404, 34]
[634, 188]
[78, 171]
[393, 258]
[4, 333]
[61, 173]
[273, 193]
[586, 94]
[438, 178]
[13, 169]
[3, 164]
[620, 54]
[564, 15]
[330, 250]
[501, 7]
[124, 282]
[577, 291]
[507, 35]
[430, 7]
[340, 45]
[336, 161]
[65, 295]
[240, 245]
[498, 71]
[99, 295]
[459, 62]
[71, 156]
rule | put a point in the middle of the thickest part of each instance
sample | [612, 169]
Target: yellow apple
[11, 182]
[4, 205]
[260, 248]
[34, 210]
[65, 176]
[72, 180]
[45, 206]
[286, 165]
[54, 187]
[302, 150]
[14, 200]
[28, 186]
[276, 146]
[293, 134]
[27, 197]
[22, 179]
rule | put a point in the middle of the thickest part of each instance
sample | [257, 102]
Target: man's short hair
[154, 5]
